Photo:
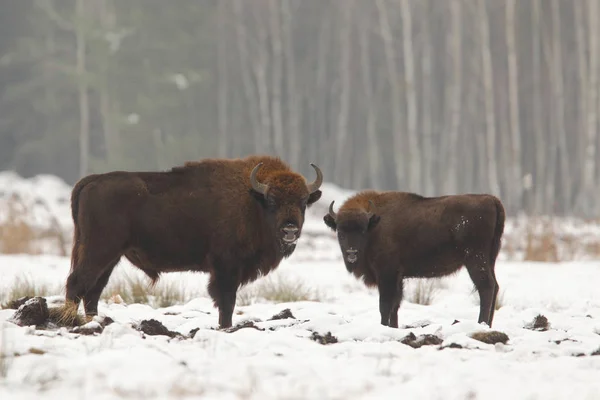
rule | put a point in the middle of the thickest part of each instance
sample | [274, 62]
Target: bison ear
[373, 221]
[314, 197]
[330, 222]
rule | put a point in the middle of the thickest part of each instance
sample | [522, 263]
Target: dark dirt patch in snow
[15, 304]
[490, 337]
[565, 340]
[33, 312]
[539, 323]
[287, 313]
[328, 338]
[420, 341]
[596, 353]
[152, 327]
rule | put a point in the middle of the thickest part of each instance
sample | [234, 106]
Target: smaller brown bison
[234, 219]
[388, 236]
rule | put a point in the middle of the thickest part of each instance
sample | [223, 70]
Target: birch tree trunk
[294, 99]
[585, 203]
[373, 151]
[341, 147]
[82, 86]
[222, 83]
[427, 116]
[454, 96]
[559, 112]
[260, 66]
[488, 82]
[245, 68]
[540, 206]
[411, 98]
[516, 176]
[275, 27]
[396, 107]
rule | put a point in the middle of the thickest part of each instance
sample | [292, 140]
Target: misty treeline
[432, 96]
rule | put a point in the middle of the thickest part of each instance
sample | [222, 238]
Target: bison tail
[74, 213]
[498, 231]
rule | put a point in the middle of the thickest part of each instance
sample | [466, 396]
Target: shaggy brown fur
[388, 236]
[203, 216]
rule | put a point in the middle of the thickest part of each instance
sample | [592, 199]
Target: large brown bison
[388, 236]
[235, 219]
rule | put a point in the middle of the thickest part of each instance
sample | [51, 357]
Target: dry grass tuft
[24, 286]
[541, 243]
[277, 290]
[16, 236]
[424, 291]
[138, 289]
[490, 337]
[66, 315]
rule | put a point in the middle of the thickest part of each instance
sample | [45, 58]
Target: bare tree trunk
[321, 90]
[344, 71]
[454, 96]
[260, 65]
[373, 151]
[293, 97]
[84, 111]
[275, 26]
[488, 81]
[222, 81]
[586, 200]
[513, 100]
[107, 21]
[559, 112]
[411, 97]
[245, 68]
[396, 107]
[538, 128]
[427, 115]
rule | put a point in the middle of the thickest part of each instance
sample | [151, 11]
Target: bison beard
[388, 236]
[235, 219]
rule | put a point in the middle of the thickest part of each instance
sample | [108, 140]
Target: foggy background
[432, 96]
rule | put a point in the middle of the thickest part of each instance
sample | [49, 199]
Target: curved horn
[372, 209]
[256, 185]
[331, 212]
[314, 186]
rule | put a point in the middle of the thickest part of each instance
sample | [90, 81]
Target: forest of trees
[432, 96]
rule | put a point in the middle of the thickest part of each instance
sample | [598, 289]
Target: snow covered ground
[282, 362]
[279, 360]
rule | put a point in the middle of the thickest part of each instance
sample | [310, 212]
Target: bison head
[285, 196]
[352, 227]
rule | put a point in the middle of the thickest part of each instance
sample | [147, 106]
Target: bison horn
[313, 187]
[372, 208]
[331, 212]
[256, 185]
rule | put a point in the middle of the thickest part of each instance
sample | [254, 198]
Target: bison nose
[290, 233]
[352, 255]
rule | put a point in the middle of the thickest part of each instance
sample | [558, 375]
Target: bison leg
[485, 281]
[222, 288]
[92, 297]
[396, 304]
[85, 276]
[388, 293]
